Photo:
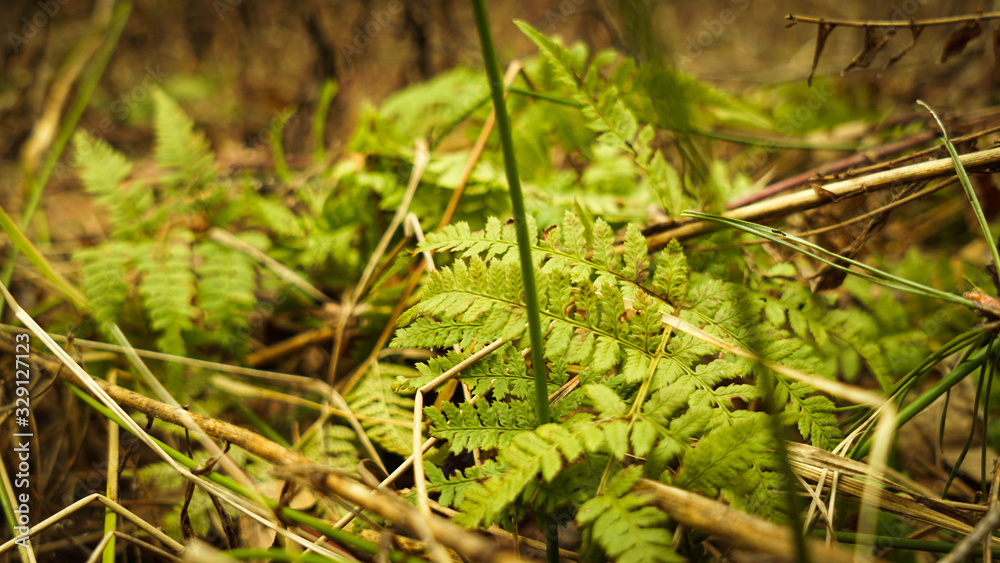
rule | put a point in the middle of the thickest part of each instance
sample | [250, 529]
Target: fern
[624, 525]
[181, 152]
[386, 415]
[481, 425]
[453, 488]
[167, 289]
[103, 172]
[543, 451]
[225, 294]
[105, 278]
[607, 114]
[602, 318]
[720, 459]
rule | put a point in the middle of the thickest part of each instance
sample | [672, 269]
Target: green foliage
[193, 291]
[386, 415]
[544, 450]
[624, 526]
[181, 152]
[167, 288]
[659, 403]
[635, 393]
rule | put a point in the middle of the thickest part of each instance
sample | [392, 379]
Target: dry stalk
[820, 195]
[738, 528]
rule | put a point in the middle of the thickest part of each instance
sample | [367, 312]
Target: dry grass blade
[820, 468]
[111, 505]
[421, 157]
[290, 464]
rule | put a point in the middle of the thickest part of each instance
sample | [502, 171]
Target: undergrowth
[639, 386]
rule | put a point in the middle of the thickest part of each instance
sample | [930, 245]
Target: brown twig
[738, 528]
[893, 23]
[831, 168]
[808, 199]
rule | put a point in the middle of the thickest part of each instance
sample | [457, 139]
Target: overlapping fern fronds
[664, 401]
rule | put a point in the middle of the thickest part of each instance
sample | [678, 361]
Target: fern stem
[517, 202]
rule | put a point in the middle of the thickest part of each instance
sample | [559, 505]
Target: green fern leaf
[105, 278]
[721, 459]
[624, 525]
[182, 153]
[168, 288]
[226, 283]
[386, 415]
[541, 451]
[481, 425]
[671, 278]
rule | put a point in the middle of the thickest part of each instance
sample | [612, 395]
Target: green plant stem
[326, 96]
[520, 218]
[523, 240]
[924, 400]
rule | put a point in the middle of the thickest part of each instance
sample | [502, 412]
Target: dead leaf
[875, 39]
[823, 31]
[915, 31]
[958, 40]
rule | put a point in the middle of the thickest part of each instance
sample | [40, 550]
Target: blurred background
[234, 65]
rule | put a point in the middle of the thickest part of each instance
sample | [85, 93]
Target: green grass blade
[963, 177]
[874, 275]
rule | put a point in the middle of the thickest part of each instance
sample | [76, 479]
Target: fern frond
[624, 525]
[388, 416]
[226, 283]
[334, 447]
[545, 450]
[180, 151]
[103, 168]
[480, 425]
[103, 173]
[105, 278]
[453, 488]
[720, 460]
[167, 288]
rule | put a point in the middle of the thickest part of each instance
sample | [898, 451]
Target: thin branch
[893, 23]
[820, 195]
